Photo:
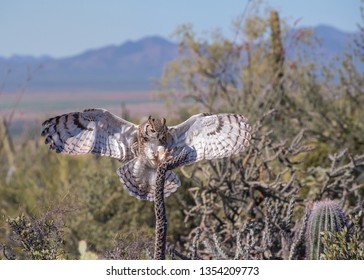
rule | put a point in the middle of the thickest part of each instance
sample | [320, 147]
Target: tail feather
[140, 182]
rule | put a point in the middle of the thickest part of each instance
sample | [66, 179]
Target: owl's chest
[154, 152]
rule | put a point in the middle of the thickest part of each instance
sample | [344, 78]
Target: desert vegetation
[296, 193]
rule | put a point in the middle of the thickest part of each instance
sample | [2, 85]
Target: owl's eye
[152, 130]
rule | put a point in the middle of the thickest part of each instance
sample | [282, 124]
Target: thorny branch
[247, 206]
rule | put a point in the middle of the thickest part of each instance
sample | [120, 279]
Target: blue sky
[67, 27]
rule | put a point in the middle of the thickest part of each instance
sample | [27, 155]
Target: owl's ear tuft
[163, 121]
[150, 120]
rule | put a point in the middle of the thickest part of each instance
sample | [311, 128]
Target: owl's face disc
[155, 129]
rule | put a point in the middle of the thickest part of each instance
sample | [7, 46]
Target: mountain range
[130, 66]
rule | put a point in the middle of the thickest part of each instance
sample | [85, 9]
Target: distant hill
[129, 66]
[331, 42]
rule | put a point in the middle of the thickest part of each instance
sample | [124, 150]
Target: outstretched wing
[206, 136]
[94, 131]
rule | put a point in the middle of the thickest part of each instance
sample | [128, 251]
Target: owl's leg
[155, 159]
[162, 154]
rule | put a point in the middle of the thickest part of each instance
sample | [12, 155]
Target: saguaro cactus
[277, 54]
[6, 144]
[325, 216]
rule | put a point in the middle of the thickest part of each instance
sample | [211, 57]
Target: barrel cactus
[325, 216]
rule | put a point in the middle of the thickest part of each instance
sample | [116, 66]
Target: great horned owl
[141, 147]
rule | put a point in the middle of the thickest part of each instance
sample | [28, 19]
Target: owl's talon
[168, 153]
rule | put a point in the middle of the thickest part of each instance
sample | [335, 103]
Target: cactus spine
[325, 216]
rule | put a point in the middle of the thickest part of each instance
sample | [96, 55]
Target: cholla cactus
[325, 216]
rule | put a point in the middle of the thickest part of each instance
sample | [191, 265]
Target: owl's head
[155, 129]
